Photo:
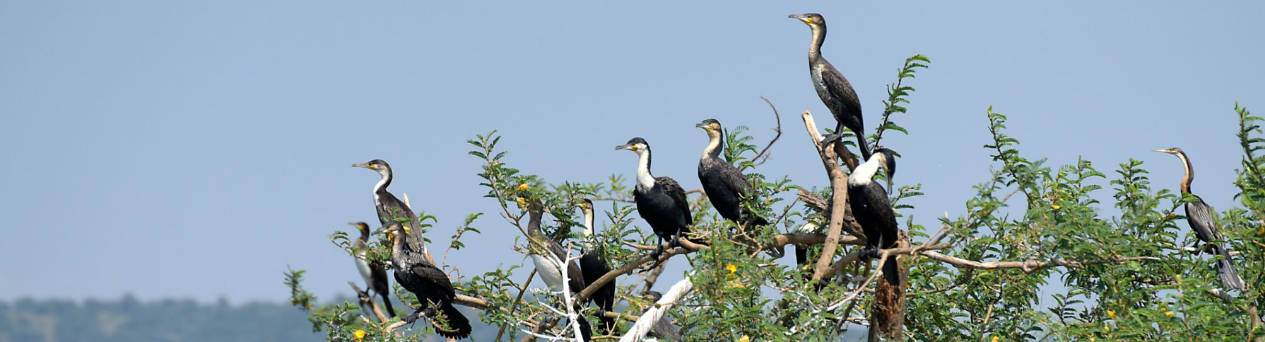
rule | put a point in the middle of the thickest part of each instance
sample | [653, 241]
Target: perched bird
[660, 201]
[833, 89]
[391, 209]
[375, 273]
[594, 265]
[1199, 216]
[726, 188]
[550, 271]
[873, 211]
[429, 283]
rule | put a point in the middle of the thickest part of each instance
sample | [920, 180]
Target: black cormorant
[1199, 216]
[725, 186]
[660, 201]
[549, 270]
[375, 274]
[429, 283]
[594, 265]
[873, 211]
[391, 209]
[832, 87]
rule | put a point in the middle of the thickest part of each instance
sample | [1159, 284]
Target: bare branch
[839, 186]
[650, 317]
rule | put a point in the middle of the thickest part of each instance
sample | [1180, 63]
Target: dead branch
[650, 317]
[756, 160]
[839, 187]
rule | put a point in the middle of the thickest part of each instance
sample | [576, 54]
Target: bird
[594, 265]
[429, 283]
[724, 185]
[391, 209]
[1199, 216]
[660, 201]
[549, 270]
[873, 211]
[375, 273]
[833, 89]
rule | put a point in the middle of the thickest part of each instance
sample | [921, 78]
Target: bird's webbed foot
[412, 318]
[830, 138]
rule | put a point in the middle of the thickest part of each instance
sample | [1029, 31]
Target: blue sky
[196, 149]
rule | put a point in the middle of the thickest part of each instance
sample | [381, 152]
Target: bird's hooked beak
[802, 18]
[365, 165]
[626, 147]
[701, 125]
[1169, 151]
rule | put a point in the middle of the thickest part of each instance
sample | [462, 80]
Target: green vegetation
[977, 275]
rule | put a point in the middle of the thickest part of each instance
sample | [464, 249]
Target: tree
[976, 276]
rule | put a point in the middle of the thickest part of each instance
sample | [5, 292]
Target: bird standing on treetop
[375, 274]
[725, 186]
[594, 265]
[1199, 216]
[660, 201]
[391, 209]
[873, 211]
[430, 284]
[832, 87]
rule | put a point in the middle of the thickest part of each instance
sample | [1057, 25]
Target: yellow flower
[744, 339]
[360, 334]
[731, 269]
[995, 339]
[1106, 327]
[1261, 230]
[1170, 314]
[1171, 216]
[523, 187]
[1111, 314]
[1055, 206]
[522, 203]
[1179, 278]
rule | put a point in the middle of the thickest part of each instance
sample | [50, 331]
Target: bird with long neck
[431, 285]
[1200, 217]
[873, 211]
[724, 185]
[391, 210]
[594, 265]
[374, 273]
[660, 200]
[546, 254]
[834, 90]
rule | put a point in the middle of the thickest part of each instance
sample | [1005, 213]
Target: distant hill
[131, 320]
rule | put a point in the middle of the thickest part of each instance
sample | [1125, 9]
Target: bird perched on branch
[595, 265]
[374, 273]
[873, 211]
[391, 209]
[541, 250]
[725, 186]
[833, 89]
[1199, 216]
[430, 284]
[660, 201]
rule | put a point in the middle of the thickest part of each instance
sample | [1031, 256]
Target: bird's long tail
[459, 326]
[891, 271]
[1225, 269]
[586, 330]
[386, 302]
[865, 150]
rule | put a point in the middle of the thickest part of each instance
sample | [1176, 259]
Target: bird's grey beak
[1161, 151]
[364, 165]
[621, 147]
[700, 125]
[889, 185]
[796, 16]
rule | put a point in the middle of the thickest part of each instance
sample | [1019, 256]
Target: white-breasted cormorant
[660, 201]
[429, 283]
[832, 87]
[594, 265]
[391, 209]
[375, 273]
[549, 270]
[1199, 216]
[725, 186]
[873, 211]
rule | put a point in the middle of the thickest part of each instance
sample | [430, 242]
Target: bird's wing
[678, 195]
[730, 175]
[434, 276]
[842, 90]
[1199, 216]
